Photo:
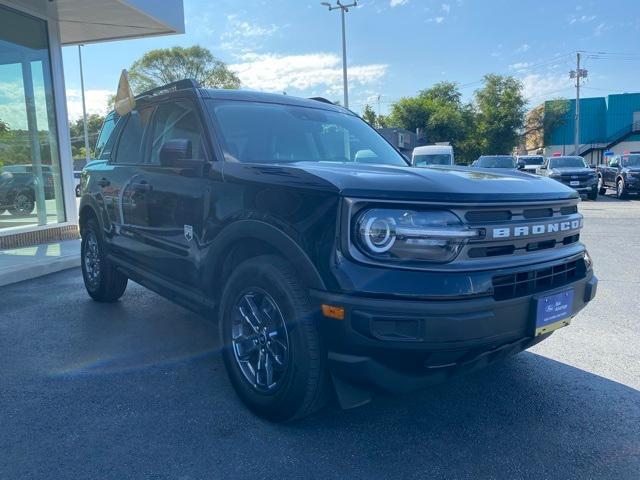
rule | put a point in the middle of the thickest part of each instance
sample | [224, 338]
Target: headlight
[408, 236]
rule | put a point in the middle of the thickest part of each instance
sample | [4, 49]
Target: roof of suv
[251, 96]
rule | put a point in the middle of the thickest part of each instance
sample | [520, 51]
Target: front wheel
[621, 189]
[23, 205]
[103, 281]
[593, 195]
[272, 351]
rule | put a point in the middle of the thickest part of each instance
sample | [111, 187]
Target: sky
[395, 47]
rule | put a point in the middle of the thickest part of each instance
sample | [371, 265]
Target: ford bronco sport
[330, 263]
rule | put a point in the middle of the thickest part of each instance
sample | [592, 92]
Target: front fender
[267, 234]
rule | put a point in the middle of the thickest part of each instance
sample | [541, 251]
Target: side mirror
[176, 152]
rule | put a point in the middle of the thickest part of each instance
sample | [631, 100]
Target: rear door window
[130, 146]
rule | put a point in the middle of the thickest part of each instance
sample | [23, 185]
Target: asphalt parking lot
[137, 390]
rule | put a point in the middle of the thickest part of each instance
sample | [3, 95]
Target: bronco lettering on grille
[536, 229]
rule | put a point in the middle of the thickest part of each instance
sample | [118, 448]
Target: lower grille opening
[520, 284]
[491, 251]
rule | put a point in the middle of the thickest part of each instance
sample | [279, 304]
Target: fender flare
[262, 232]
[89, 203]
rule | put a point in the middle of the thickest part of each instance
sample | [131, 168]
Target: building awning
[88, 21]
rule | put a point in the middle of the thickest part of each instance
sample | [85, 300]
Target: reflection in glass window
[30, 186]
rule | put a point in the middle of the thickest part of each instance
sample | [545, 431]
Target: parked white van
[429, 155]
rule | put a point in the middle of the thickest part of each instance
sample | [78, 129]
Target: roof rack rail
[321, 99]
[187, 83]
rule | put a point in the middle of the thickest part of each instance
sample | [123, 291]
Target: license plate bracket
[553, 311]
[574, 183]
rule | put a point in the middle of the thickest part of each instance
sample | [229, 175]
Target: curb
[38, 269]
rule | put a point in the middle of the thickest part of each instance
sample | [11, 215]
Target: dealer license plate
[553, 311]
[574, 183]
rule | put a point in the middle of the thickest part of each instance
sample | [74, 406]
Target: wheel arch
[246, 239]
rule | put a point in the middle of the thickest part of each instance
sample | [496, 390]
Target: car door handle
[103, 182]
[142, 186]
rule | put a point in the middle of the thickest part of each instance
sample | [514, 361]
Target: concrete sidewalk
[30, 262]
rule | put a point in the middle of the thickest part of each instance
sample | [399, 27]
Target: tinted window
[631, 161]
[566, 162]
[177, 120]
[129, 148]
[496, 162]
[532, 160]
[274, 133]
[106, 139]
[432, 159]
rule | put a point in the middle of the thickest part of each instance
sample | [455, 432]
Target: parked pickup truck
[328, 262]
[572, 171]
[622, 174]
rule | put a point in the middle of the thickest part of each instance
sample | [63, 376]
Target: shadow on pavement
[137, 390]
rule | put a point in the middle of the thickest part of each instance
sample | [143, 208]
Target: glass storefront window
[30, 180]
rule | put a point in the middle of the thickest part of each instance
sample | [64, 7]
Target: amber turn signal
[332, 311]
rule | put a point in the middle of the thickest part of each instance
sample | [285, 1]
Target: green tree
[437, 111]
[369, 116]
[166, 65]
[4, 127]
[500, 107]
[76, 130]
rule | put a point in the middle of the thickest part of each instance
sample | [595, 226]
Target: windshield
[432, 159]
[631, 161]
[275, 133]
[496, 162]
[532, 160]
[566, 162]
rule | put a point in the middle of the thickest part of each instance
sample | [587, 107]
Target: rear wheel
[621, 189]
[23, 204]
[273, 352]
[101, 279]
[601, 187]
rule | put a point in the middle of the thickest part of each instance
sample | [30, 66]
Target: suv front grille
[520, 284]
[510, 220]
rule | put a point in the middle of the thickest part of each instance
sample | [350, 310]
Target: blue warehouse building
[606, 124]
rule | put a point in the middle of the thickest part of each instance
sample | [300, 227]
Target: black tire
[621, 189]
[77, 190]
[593, 195]
[302, 384]
[22, 205]
[103, 281]
[2, 210]
[602, 189]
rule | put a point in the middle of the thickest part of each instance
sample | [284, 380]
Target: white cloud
[581, 19]
[246, 29]
[602, 27]
[446, 8]
[278, 73]
[538, 88]
[396, 3]
[96, 101]
[525, 47]
[520, 66]
[435, 20]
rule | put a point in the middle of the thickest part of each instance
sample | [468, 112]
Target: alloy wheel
[22, 204]
[260, 340]
[92, 263]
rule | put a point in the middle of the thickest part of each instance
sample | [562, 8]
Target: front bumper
[400, 345]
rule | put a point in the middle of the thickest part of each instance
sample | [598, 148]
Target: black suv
[18, 186]
[330, 263]
[622, 173]
[574, 172]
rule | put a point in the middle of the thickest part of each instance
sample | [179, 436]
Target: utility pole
[343, 9]
[84, 109]
[578, 74]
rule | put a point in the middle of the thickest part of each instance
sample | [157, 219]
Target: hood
[442, 184]
[572, 170]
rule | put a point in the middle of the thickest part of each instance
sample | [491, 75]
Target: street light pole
[343, 9]
[578, 74]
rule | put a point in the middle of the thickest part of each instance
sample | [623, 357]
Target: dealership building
[37, 188]
[607, 125]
